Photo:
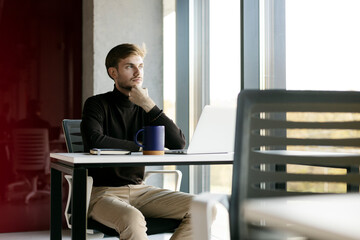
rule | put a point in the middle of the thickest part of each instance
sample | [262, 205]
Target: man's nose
[136, 71]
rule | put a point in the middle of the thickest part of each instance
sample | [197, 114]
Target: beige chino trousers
[124, 208]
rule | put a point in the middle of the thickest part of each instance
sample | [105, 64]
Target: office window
[314, 42]
[327, 58]
[318, 44]
[169, 69]
[224, 72]
[224, 52]
[322, 44]
[208, 72]
[169, 72]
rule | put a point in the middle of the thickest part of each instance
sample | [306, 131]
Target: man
[119, 198]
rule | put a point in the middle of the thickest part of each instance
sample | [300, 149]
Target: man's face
[129, 72]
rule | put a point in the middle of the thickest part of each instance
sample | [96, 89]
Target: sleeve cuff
[154, 113]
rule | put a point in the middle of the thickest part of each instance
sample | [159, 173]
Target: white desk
[335, 216]
[167, 159]
[77, 164]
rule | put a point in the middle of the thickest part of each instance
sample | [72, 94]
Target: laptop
[214, 133]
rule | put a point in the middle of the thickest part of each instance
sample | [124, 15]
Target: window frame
[263, 54]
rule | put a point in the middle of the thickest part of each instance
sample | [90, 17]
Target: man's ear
[112, 72]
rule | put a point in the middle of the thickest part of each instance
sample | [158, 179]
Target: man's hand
[140, 97]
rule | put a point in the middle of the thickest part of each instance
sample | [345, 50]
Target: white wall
[107, 23]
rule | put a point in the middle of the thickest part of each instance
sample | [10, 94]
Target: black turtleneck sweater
[110, 120]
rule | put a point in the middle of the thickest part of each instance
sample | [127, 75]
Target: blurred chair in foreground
[280, 134]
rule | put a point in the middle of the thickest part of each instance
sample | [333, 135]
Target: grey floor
[220, 230]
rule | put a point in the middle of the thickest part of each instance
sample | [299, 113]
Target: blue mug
[153, 140]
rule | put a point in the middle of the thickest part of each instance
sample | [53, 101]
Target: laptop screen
[215, 131]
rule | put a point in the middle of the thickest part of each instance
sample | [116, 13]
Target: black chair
[278, 130]
[73, 138]
[74, 143]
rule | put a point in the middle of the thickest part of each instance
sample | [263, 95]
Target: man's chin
[138, 84]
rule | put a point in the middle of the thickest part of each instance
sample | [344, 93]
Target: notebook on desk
[214, 133]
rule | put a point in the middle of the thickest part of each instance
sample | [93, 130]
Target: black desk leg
[78, 231]
[56, 205]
